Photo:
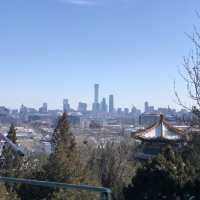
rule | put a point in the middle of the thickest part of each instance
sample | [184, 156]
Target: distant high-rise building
[111, 103]
[23, 109]
[147, 119]
[146, 107]
[119, 111]
[126, 111]
[151, 109]
[82, 107]
[96, 93]
[44, 108]
[167, 111]
[135, 111]
[4, 111]
[23, 113]
[66, 106]
[96, 106]
[104, 107]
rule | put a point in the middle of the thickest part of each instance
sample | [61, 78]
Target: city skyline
[45, 56]
[105, 104]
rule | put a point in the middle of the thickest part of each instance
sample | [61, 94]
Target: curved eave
[173, 129]
[141, 133]
[159, 139]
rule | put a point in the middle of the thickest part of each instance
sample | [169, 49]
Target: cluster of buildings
[97, 106]
[102, 111]
[102, 122]
[105, 106]
[102, 106]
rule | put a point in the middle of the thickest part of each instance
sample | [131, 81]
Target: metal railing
[105, 192]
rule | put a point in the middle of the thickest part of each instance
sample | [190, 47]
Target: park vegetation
[171, 175]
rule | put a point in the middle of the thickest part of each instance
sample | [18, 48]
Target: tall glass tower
[111, 103]
[96, 98]
[96, 93]
[66, 106]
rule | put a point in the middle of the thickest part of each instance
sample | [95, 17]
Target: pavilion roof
[160, 129]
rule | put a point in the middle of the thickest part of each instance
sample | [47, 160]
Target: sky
[55, 49]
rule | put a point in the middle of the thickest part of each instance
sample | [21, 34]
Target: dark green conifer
[12, 134]
[62, 135]
[12, 161]
[162, 178]
[11, 158]
[64, 163]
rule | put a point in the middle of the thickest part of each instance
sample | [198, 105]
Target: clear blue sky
[55, 49]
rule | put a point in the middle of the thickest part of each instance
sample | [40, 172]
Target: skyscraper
[126, 111]
[44, 108]
[82, 107]
[146, 107]
[119, 111]
[103, 107]
[23, 109]
[96, 93]
[66, 106]
[111, 103]
[96, 106]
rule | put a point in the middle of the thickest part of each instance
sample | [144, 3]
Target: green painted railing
[105, 192]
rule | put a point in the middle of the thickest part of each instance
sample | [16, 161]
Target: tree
[63, 165]
[12, 134]
[191, 189]
[33, 169]
[162, 178]
[4, 195]
[191, 155]
[191, 76]
[62, 135]
[111, 164]
[12, 161]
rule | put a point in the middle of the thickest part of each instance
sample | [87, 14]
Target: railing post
[104, 196]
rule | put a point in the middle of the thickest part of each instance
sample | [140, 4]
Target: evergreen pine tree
[62, 135]
[162, 178]
[12, 134]
[64, 164]
[12, 161]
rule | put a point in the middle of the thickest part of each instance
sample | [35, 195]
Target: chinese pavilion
[160, 134]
